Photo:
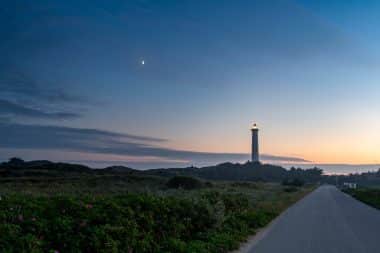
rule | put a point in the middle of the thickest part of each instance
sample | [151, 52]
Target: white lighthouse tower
[255, 143]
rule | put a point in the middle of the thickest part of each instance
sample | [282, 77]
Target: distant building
[255, 144]
[349, 185]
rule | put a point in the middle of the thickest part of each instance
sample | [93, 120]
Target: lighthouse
[255, 143]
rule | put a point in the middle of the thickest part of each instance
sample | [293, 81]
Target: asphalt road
[325, 221]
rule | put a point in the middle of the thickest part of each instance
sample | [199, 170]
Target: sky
[73, 86]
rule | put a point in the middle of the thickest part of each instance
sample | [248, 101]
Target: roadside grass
[134, 214]
[370, 196]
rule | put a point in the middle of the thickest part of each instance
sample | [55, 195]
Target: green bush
[187, 183]
[290, 189]
[293, 182]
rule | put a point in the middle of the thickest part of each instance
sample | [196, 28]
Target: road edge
[252, 240]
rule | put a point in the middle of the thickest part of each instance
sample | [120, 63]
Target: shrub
[187, 183]
[293, 182]
[290, 189]
[209, 184]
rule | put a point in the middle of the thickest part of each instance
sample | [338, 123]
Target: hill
[16, 167]
[243, 172]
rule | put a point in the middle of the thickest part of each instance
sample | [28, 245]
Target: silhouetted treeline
[368, 179]
[16, 167]
[244, 172]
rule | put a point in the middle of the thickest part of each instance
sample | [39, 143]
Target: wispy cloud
[11, 109]
[14, 82]
[23, 97]
[21, 136]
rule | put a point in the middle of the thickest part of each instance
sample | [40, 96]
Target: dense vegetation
[370, 196]
[366, 179]
[46, 207]
[187, 183]
[212, 222]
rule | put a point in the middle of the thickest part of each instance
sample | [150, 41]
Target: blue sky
[306, 71]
